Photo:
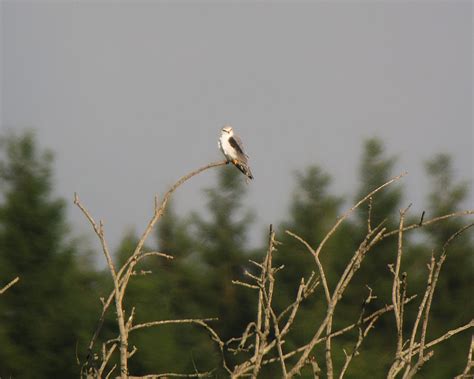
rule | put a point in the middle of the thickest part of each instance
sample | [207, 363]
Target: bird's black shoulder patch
[235, 145]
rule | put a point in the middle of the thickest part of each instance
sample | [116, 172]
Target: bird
[233, 149]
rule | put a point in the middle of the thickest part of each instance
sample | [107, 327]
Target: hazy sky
[132, 95]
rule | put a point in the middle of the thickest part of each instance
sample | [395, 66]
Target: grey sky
[132, 95]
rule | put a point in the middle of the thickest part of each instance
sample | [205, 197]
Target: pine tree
[312, 213]
[452, 303]
[148, 292]
[45, 316]
[376, 168]
[221, 254]
[167, 292]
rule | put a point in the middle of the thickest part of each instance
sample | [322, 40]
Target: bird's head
[227, 129]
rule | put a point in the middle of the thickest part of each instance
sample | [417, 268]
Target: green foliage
[312, 212]
[45, 315]
[376, 168]
[452, 305]
[220, 250]
[209, 253]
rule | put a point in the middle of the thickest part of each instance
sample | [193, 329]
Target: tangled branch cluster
[263, 340]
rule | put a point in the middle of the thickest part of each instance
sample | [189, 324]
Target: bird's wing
[236, 143]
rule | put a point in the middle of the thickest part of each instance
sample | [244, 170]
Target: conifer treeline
[47, 319]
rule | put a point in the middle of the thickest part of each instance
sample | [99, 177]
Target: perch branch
[122, 277]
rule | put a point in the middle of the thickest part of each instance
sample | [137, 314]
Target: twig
[429, 222]
[111, 371]
[421, 359]
[264, 305]
[99, 230]
[376, 314]
[421, 219]
[174, 375]
[346, 277]
[329, 366]
[411, 346]
[397, 303]
[105, 359]
[315, 367]
[349, 212]
[369, 215]
[404, 357]
[362, 333]
[318, 264]
[243, 284]
[344, 281]
[165, 322]
[470, 361]
[11, 283]
[279, 339]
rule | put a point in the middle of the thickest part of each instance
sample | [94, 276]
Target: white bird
[231, 146]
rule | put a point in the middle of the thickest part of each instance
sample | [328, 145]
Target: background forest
[47, 319]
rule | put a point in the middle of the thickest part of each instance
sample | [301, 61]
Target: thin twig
[264, 307]
[411, 346]
[397, 303]
[421, 359]
[318, 264]
[11, 283]
[369, 215]
[405, 356]
[174, 375]
[166, 322]
[421, 219]
[376, 315]
[429, 222]
[349, 212]
[99, 230]
[105, 360]
[470, 361]
[344, 280]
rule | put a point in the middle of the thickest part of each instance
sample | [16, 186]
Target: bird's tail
[244, 169]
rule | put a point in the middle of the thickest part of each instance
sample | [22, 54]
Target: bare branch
[243, 284]
[397, 303]
[99, 230]
[10, 284]
[155, 254]
[159, 210]
[349, 212]
[376, 314]
[362, 333]
[150, 324]
[431, 267]
[122, 277]
[470, 361]
[404, 357]
[346, 277]
[369, 215]
[421, 359]
[264, 305]
[448, 335]
[318, 264]
[174, 375]
[429, 222]
[105, 359]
